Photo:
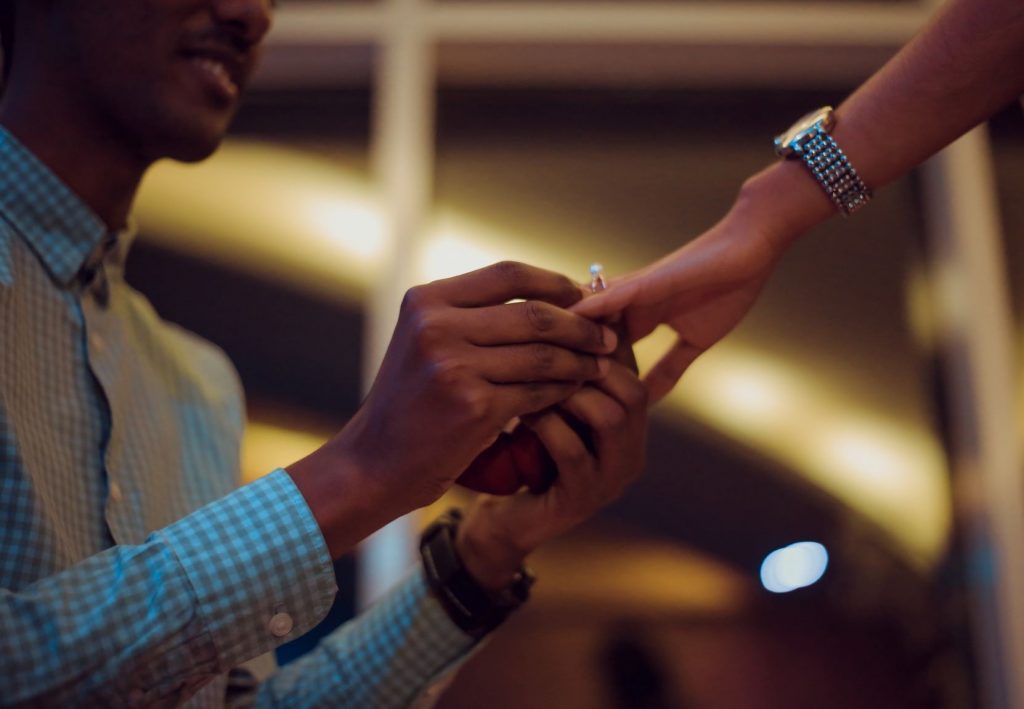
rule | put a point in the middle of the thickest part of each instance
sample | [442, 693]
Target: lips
[223, 71]
[216, 76]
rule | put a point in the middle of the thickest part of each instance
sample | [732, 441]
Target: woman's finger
[663, 376]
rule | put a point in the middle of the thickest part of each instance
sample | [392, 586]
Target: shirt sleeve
[399, 653]
[152, 623]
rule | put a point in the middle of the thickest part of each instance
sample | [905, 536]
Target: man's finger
[538, 362]
[621, 383]
[535, 321]
[505, 281]
[599, 413]
[512, 400]
[664, 375]
[564, 446]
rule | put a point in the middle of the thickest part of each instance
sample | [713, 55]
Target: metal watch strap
[474, 609]
[833, 171]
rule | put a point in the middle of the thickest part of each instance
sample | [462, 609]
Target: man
[117, 587]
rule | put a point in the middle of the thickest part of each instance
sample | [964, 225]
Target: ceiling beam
[600, 44]
[762, 23]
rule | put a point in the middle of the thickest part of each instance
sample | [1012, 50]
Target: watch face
[786, 142]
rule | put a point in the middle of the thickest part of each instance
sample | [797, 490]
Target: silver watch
[809, 139]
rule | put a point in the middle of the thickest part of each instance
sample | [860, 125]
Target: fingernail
[609, 338]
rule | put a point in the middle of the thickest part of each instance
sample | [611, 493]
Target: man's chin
[195, 153]
[193, 147]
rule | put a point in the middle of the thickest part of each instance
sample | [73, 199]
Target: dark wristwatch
[474, 609]
[810, 140]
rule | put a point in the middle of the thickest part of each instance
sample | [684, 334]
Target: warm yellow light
[449, 255]
[900, 472]
[457, 244]
[266, 447]
[890, 471]
[636, 577]
[287, 214]
[1020, 384]
[747, 393]
[352, 227]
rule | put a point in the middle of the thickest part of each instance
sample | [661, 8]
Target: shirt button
[115, 492]
[281, 624]
[97, 342]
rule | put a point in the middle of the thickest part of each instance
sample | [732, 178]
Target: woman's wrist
[783, 202]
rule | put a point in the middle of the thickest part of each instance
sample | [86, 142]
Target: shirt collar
[52, 219]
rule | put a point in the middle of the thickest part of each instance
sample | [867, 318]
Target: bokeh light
[796, 566]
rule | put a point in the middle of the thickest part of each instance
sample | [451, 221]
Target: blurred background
[829, 512]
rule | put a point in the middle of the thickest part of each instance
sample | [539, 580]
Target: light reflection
[796, 566]
[267, 446]
[456, 243]
[449, 255]
[748, 393]
[354, 228]
[290, 215]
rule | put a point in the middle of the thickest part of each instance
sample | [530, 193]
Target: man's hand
[461, 364]
[499, 532]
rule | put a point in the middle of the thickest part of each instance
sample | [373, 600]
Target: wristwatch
[809, 140]
[474, 609]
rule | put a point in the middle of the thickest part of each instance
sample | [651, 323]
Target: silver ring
[597, 282]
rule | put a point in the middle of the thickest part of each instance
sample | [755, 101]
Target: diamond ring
[597, 282]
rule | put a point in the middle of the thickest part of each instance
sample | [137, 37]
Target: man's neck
[94, 163]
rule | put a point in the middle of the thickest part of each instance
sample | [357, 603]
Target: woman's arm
[965, 65]
[962, 67]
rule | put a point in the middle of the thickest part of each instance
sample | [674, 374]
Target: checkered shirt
[132, 573]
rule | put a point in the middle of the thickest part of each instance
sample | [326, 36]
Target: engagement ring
[597, 282]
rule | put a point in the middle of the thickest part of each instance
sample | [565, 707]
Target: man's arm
[151, 624]
[961, 68]
[233, 580]
[400, 650]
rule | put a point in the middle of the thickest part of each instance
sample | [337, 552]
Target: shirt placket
[102, 339]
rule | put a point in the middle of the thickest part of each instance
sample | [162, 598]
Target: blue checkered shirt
[132, 572]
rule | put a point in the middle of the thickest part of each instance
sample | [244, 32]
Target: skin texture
[108, 87]
[963, 67]
[101, 89]
[500, 531]
[461, 364]
[519, 458]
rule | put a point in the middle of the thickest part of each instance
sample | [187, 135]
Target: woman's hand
[701, 290]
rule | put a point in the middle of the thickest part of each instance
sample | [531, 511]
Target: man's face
[165, 75]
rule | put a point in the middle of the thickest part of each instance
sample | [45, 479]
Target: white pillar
[971, 294]
[403, 154]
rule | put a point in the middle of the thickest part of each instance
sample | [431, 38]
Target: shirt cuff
[258, 567]
[401, 652]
